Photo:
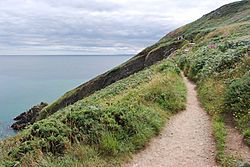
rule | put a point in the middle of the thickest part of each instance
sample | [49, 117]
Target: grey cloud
[91, 26]
[90, 5]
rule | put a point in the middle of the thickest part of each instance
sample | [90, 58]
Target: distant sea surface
[28, 80]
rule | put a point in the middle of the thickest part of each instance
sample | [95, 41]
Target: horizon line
[71, 55]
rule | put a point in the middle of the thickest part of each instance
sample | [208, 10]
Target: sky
[104, 27]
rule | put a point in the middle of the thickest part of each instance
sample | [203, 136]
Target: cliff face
[231, 14]
[142, 60]
[137, 63]
[120, 119]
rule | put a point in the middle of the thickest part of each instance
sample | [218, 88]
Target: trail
[185, 141]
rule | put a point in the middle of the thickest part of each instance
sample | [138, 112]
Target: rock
[144, 59]
[28, 117]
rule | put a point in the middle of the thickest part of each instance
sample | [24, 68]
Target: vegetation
[111, 124]
[237, 102]
[104, 128]
[216, 57]
[219, 63]
[223, 87]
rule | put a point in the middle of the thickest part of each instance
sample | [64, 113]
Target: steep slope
[139, 62]
[103, 128]
[230, 14]
[87, 125]
[217, 59]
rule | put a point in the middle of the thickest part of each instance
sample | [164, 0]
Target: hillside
[106, 120]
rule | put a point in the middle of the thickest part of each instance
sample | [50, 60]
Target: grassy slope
[219, 63]
[104, 128]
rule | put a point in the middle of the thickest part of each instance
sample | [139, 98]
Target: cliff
[111, 117]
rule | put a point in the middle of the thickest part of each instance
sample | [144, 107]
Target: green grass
[220, 136]
[219, 63]
[105, 128]
[110, 125]
[223, 89]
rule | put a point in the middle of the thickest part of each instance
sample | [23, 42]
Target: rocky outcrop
[28, 117]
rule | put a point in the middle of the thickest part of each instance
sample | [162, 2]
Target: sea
[28, 80]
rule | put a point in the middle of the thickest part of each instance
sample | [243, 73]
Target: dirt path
[185, 141]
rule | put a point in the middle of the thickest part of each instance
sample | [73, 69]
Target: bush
[108, 128]
[228, 60]
[52, 135]
[85, 124]
[196, 67]
[182, 61]
[237, 97]
[244, 122]
[114, 121]
[24, 148]
[47, 135]
[167, 93]
[247, 137]
[169, 67]
[205, 62]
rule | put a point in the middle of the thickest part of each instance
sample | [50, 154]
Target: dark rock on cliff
[28, 117]
[144, 59]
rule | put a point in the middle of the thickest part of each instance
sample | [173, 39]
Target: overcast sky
[92, 26]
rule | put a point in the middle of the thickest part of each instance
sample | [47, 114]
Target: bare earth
[235, 145]
[185, 141]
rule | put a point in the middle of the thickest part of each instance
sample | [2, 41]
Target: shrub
[169, 66]
[52, 135]
[237, 97]
[228, 60]
[205, 62]
[196, 67]
[247, 137]
[47, 135]
[182, 61]
[114, 121]
[24, 148]
[108, 128]
[167, 93]
[86, 123]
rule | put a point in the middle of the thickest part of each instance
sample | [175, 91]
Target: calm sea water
[29, 80]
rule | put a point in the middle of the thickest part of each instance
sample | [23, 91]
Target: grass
[110, 125]
[219, 64]
[220, 136]
[105, 128]
[225, 91]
